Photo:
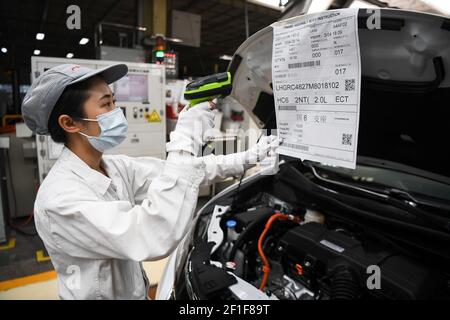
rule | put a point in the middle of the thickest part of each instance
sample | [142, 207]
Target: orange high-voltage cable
[266, 264]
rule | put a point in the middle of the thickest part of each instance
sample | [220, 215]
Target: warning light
[299, 269]
[159, 49]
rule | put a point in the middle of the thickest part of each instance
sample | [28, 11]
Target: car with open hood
[314, 231]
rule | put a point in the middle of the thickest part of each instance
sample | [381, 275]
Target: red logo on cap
[75, 67]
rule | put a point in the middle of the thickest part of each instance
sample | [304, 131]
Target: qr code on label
[349, 84]
[347, 139]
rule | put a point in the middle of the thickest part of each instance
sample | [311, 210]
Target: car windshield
[387, 178]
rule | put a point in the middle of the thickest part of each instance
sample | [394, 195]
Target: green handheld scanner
[208, 88]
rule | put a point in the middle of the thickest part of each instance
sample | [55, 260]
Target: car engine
[283, 250]
[308, 260]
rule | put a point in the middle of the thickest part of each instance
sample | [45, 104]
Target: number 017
[339, 71]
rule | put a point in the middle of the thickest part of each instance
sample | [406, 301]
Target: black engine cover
[321, 251]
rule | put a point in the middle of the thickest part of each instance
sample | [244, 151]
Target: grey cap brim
[110, 73]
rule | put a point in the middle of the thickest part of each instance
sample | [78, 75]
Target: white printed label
[316, 77]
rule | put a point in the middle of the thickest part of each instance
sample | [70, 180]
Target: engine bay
[274, 248]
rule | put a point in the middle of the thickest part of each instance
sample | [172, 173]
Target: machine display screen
[132, 88]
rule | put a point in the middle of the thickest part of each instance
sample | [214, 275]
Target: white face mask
[113, 126]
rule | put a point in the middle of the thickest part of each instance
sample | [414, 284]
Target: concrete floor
[47, 290]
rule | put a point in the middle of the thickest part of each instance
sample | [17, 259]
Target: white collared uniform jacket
[97, 230]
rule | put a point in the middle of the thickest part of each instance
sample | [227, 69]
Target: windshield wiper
[395, 197]
[346, 185]
[385, 192]
[413, 201]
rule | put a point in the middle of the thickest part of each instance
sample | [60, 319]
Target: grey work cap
[48, 87]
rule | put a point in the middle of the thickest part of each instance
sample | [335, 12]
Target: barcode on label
[349, 84]
[347, 139]
[312, 63]
[289, 108]
[295, 146]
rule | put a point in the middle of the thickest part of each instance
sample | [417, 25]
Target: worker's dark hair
[71, 102]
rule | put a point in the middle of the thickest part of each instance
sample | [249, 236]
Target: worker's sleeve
[84, 227]
[216, 167]
[141, 171]
[222, 166]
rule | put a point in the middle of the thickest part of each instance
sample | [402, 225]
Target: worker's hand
[265, 145]
[192, 127]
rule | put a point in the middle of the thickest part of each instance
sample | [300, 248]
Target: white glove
[191, 129]
[260, 150]
[265, 145]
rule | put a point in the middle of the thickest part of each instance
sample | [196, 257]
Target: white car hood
[410, 50]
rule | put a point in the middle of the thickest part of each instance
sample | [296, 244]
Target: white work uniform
[97, 230]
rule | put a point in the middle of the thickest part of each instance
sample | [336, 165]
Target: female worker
[100, 216]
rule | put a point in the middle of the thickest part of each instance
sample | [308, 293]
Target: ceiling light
[226, 57]
[37, 52]
[177, 40]
[83, 41]
[442, 6]
[362, 4]
[69, 55]
[40, 36]
[4, 50]
[274, 4]
[319, 5]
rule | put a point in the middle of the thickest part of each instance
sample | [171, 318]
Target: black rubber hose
[344, 285]
[253, 228]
